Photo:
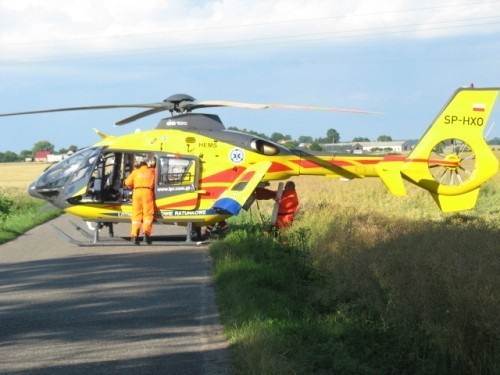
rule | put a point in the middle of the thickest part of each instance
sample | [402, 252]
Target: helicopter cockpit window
[87, 164]
[176, 171]
[75, 167]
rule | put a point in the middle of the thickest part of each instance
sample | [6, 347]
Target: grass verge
[355, 290]
[20, 212]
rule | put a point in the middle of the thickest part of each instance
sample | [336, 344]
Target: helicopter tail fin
[452, 160]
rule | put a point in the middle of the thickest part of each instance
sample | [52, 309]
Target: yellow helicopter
[206, 173]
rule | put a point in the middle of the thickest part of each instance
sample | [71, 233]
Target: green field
[20, 212]
[364, 283]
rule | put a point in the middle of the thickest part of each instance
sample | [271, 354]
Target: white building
[365, 147]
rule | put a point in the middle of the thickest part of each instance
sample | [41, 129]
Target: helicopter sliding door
[176, 186]
[177, 182]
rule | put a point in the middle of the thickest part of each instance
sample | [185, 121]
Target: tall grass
[364, 282]
[19, 212]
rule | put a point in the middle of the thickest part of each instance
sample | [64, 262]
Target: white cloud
[32, 28]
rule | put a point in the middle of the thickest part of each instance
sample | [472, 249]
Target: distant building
[49, 157]
[41, 156]
[341, 147]
[366, 147]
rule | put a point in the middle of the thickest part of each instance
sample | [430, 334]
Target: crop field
[20, 175]
[366, 282]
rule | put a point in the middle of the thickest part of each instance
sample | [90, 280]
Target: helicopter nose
[33, 192]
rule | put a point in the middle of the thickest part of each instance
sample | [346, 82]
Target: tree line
[332, 136]
[10, 156]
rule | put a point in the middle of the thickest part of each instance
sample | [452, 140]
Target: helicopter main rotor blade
[188, 106]
[176, 103]
[183, 103]
[312, 108]
[158, 106]
[221, 103]
[206, 104]
[140, 115]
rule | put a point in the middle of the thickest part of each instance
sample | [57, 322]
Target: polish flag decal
[478, 107]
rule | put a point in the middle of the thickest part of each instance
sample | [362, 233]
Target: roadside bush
[6, 204]
[19, 212]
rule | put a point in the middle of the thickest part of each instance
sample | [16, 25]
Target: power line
[259, 24]
[285, 39]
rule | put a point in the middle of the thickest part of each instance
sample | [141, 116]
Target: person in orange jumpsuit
[142, 180]
[288, 203]
[288, 206]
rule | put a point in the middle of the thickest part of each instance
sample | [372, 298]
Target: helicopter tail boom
[452, 160]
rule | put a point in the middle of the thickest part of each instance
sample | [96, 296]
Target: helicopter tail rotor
[452, 160]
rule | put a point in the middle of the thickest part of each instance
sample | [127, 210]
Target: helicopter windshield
[76, 167]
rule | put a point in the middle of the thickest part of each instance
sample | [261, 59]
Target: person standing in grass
[288, 204]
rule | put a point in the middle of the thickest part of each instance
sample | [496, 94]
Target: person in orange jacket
[288, 206]
[288, 203]
[142, 180]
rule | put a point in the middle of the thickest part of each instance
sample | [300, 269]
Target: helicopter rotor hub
[177, 101]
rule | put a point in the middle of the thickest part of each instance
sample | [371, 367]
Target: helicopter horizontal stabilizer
[234, 198]
[390, 174]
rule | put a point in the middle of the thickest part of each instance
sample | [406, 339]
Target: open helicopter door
[177, 175]
[235, 197]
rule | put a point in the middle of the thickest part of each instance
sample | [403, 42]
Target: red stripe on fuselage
[312, 164]
[278, 167]
[421, 160]
[436, 161]
[227, 175]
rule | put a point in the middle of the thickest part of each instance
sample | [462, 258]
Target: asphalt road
[107, 310]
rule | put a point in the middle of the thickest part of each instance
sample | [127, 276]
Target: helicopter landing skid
[95, 240]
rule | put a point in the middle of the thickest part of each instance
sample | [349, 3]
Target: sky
[400, 57]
